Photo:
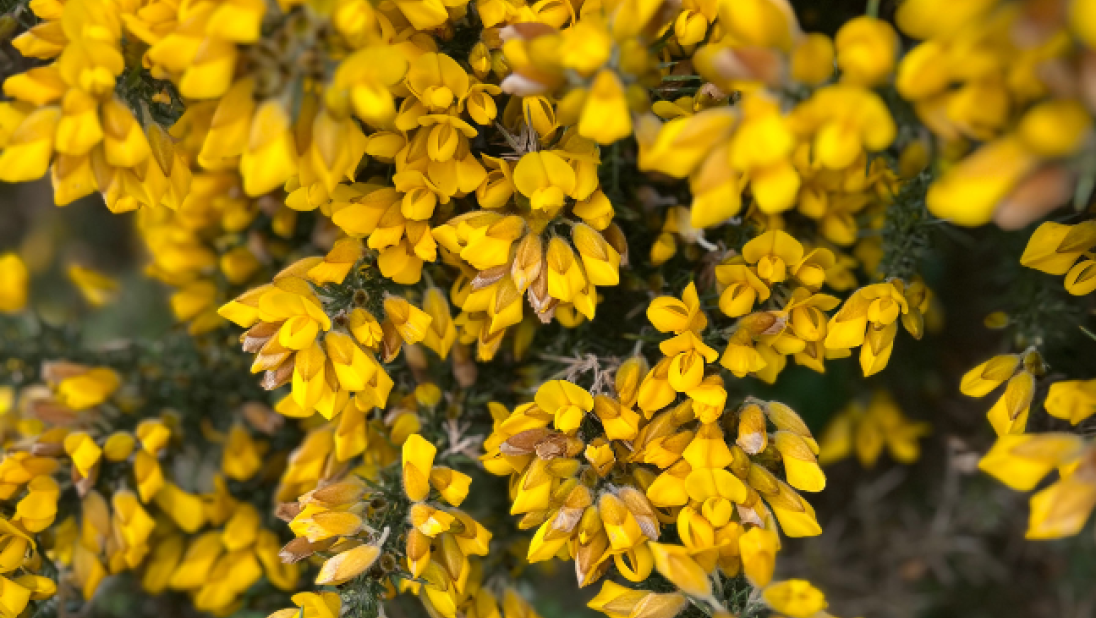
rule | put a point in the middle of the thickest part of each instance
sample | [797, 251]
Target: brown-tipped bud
[786, 419]
[257, 336]
[749, 515]
[489, 277]
[418, 546]
[574, 505]
[8, 25]
[464, 367]
[347, 565]
[528, 262]
[642, 510]
[678, 442]
[286, 511]
[616, 239]
[753, 497]
[565, 488]
[563, 467]
[589, 562]
[786, 499]
[533, 519]
[762, 323]
[683, 413]
[55, 371]
[278, 377]
[52, 412]
[878, 338]
[296, 550]
[740, 465]
[579, 497]
[762, 480]
[539, 299]
[1033, 363]
[1018, 394]
[336, 494]
[1035, 196]
[458, 527]
[660, 606]
[628, 378]
[590, 524]
[417, 362]
[391, 341]
[262, 418]
[645, 477]
[726, 66]
[606, 408]
[48, 449]
[914, 322]
[388, 563]
[573, 447]
[451, 557]
[752, 432]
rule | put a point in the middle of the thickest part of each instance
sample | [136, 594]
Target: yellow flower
[13, 597]
[1062, 509]
[845, 121]
[812, 59]
[670, 315]
[1055, 128]
[84, 452]
[969, 192]
[616, 601]
[867, 431]
[89, 388]
[242, 456]
[773, 253]
[27, 152]
[1072, 400]
[347, 565]
[795, 597]
[546, 179]
[773, 179]
[409, 321]
[418, 459]
[1082, 22]
[1054, 248]
[760, 23]
[96, 288]
[37, 510]
[866, 49]
[743, 289]
[312, 605]
[270, 156]
[567, 402]
[363, 82]
[675, 564]
[605, 116]
[1021, 461]
[184, 508]
[758, 548]
[14, 281]
[978, 382]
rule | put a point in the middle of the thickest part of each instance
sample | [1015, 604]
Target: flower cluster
[867, 430]
[347, 180]
[599, 475]
[133, 515]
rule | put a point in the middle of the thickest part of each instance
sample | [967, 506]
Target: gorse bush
[517, 283]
